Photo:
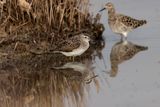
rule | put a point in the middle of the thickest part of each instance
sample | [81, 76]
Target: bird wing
[130, 22]
[69, 44]
[121, 52]
[130, 50]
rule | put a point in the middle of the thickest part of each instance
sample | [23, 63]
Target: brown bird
[74, 46]
[119, 23]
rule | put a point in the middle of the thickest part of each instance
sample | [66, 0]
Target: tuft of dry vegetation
[43, 15]
[32, 24]
[58, 16]
[30, 27]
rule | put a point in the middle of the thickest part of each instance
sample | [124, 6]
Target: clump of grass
[58, 16]
[27, 25]
[34, 23]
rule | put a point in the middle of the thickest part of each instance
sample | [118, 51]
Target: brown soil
[28, 30]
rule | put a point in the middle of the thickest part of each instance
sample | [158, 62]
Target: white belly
[76, 52]
[119, 29]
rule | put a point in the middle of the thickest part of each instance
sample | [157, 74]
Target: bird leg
[125, 38]
[121, 38]
[73, 58]
[125, 35]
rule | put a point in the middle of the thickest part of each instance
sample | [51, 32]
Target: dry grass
[38, 25]
[60, 16]
[41, 24]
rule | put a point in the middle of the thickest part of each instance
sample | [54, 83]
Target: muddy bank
[29, 74]
[38, 25]
[30, 80]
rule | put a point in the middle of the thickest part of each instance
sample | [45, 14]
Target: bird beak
[102, 9]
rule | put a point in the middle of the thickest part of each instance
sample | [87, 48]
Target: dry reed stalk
[47, 15]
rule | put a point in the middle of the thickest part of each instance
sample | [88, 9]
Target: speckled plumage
[121, 52]
[121, 24]
[74, 46]
[69, 44]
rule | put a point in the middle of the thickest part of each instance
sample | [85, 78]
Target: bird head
[85, 38]
[107, 6]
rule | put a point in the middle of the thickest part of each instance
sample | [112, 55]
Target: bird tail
[140, 23]
[141, 48]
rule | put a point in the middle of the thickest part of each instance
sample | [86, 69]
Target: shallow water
[135, 84]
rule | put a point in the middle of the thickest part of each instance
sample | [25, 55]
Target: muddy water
[122, 74]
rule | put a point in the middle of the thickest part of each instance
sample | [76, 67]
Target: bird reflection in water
[76, 71]
[123, 51]
[49, 80]
[24, 84]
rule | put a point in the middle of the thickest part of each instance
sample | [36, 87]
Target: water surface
[137, 82]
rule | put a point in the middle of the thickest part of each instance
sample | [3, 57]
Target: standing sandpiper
[74, 46]
[119, 23]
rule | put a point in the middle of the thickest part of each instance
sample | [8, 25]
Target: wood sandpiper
[74, 46]
[119, 23]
